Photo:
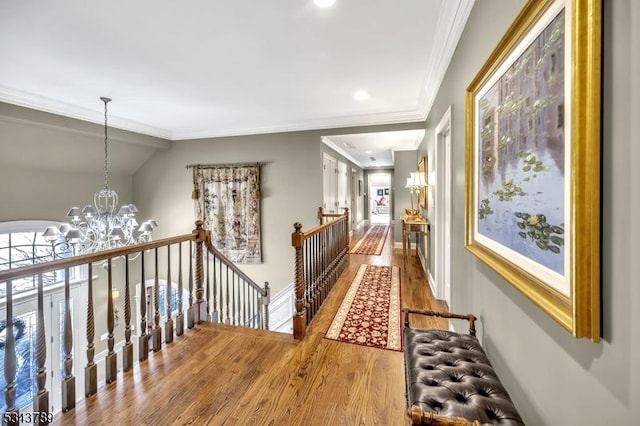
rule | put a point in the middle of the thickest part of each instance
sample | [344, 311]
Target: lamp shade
[117, 233]
[145, 227]
[51, 233]
[73, 235]
[416, 180]
[74, 212]
[64, 228]
[88, 210]
[409, 183]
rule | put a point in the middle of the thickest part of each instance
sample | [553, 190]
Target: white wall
[554, 378]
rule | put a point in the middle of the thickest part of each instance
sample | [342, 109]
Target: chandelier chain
[106, 151]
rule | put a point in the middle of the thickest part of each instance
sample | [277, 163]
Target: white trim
[41, 103]
[432, 283]
[443, 211]
[450, 26]
[331, 144]
[12, 226]
[281, 310]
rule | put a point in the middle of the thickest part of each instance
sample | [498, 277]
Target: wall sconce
[115, 296]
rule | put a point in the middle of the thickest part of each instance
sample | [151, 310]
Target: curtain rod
[219, 166]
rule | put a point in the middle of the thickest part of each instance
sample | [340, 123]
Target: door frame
[443, 213]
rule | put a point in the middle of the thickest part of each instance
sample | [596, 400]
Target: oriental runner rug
[372, 242]
[370, 312]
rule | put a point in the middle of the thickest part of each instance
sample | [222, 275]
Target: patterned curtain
[228, 201]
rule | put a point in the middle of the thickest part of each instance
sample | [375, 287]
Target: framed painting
[422, 192]
[533, 160]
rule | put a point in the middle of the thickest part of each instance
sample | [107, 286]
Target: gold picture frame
[422, 192]
[533, 160]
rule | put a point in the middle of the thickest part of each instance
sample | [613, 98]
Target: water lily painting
[533, 161]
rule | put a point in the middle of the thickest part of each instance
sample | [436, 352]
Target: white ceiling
[201, 68]
[374, 150]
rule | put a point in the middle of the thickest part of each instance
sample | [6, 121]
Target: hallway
[218, 374]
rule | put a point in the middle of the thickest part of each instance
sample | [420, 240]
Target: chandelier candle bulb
[99, 227]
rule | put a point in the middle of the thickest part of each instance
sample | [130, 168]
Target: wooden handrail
[320, 255]
[225, 261]
[246, 304]
[69, 262]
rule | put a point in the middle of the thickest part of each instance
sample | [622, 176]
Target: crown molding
[451, 22]
[331, 144]
[338, 122]
[41, 103]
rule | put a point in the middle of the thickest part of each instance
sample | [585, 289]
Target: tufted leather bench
[450, 380]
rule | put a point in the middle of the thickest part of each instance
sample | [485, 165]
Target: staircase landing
[217, 374]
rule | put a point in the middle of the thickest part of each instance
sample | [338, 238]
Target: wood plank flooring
[223, 375]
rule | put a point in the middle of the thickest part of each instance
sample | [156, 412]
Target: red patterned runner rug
[373, 241]
[370, 312]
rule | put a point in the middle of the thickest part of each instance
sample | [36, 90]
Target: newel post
[300, 316]
[200, 309]
[320, 214]
[265, 305]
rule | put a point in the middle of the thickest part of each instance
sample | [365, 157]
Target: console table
[420, 226]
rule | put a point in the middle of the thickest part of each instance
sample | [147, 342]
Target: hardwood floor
[217, 374]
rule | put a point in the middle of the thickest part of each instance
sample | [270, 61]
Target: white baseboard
[281, 310]
[432, 284]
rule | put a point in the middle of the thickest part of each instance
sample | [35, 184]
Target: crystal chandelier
[102, 226]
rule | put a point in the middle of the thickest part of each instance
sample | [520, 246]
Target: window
[22, 244]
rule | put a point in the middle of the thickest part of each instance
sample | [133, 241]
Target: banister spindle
[214, 312]
[179, 315]
[266, 300]
[156, 334]
[11, 414]
[69, 381]
[143, 340]
[300, 316]
[190, 310]
[234, 285]
[127, 349]
[168, 325]
[208, 290]
[91, 370]
[201, 308]
[228, 319]
[41, 400]
[111, 360]
[220, 298]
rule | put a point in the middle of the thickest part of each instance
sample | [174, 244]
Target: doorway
[380, 198]
[335, 186]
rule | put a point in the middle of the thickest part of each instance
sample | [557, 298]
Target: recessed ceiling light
[324, 3]
[361, 95]
[368, 152]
